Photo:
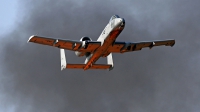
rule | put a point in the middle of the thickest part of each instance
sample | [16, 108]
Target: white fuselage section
[107, 38]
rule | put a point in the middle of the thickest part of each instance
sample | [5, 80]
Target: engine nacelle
[85, 39]
[83, 45]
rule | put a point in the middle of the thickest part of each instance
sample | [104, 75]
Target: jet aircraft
[105, 45]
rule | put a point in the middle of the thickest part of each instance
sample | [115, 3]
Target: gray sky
[162, 79]
[8, 10]
[8, 13]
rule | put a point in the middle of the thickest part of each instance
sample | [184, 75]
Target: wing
[73, 45]
[121, 47]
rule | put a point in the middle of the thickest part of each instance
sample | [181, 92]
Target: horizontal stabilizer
[94, 66]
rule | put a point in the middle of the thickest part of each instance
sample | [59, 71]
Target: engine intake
[84, 41]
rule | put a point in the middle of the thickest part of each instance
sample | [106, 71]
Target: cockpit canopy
[113, 17]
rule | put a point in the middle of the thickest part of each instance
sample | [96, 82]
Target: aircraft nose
[122, 22]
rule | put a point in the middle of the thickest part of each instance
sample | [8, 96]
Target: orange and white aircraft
[105, 45]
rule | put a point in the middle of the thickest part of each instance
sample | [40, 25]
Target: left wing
[121, 47]
[73, 45]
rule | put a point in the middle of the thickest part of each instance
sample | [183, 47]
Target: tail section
[65, 65]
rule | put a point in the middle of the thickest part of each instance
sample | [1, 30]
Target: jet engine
[84, 45]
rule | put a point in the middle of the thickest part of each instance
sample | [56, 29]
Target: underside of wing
[74, 45]
[121, 47]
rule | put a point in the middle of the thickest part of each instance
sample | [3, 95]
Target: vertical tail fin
[110, 61]
[63, 59]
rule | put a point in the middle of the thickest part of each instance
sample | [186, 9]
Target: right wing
[121, 47]
[72, 45]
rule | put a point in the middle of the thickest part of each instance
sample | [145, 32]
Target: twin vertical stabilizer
[63, 59]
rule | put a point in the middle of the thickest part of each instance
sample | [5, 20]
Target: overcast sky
[8, 12]
[163, 79]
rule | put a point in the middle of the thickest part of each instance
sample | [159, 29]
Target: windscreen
[113, 17]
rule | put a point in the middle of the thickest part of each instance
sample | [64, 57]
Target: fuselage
[107, 38]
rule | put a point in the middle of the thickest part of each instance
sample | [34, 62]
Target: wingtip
[30, 38]
[173, 43]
